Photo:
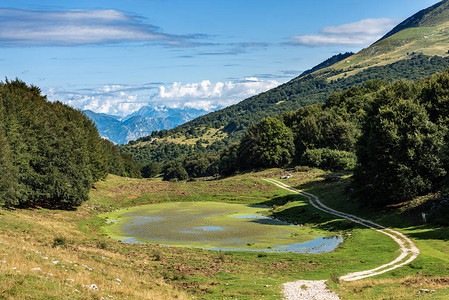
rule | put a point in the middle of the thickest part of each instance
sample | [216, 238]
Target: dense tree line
[403, 148]
[50, 154]
[160, 152]
[394, 135]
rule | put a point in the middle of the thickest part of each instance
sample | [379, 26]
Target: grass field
[403, 45]
[50, 254]
[208, 137]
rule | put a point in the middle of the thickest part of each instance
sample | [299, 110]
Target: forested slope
[50, 154]
[299, 92]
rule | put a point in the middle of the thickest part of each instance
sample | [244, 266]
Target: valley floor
[49, 254]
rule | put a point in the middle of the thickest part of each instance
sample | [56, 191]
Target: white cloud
[76, 27]
[123, 99]
[361, 33]
[109, 99]
[208, 95]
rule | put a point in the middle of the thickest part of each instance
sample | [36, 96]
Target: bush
[302, 168]
[175, 171]
[59, 241]
[334, 160]
[150, 170]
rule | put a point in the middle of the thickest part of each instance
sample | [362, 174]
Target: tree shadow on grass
[311, 217]
[281, 201]
[304, 214]
[334, 192]
[426, 232]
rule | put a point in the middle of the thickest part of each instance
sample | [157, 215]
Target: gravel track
[408, 252]
[308, 289]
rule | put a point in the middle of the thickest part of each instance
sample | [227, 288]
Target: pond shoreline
[215, 226]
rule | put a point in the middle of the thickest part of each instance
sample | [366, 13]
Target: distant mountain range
[142, 122]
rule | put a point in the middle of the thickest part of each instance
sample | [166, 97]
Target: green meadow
[49, 254]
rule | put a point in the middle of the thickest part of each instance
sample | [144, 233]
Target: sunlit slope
[426, 32]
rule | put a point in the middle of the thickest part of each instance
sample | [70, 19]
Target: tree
[316, 127]
[229, 160]
[268, 143]
[199, 165]
[175, 171]
[8, 179]
[400, 149]
[150, 170]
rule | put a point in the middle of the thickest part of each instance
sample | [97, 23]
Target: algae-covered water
[215, 226]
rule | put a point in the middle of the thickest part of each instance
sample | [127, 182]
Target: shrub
[334, 160]
[150, 170]
[59, 241]
[175, 171]
[302, 169]
[102, 245]
[157, 256]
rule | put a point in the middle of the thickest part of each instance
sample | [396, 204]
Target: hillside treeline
[394, 136]
[299, 92]
[50, 154]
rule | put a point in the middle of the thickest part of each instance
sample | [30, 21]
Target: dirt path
[408, 250]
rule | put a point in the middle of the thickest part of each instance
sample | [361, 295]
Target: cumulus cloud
[78, 27]
[115, 99]
[361, 33]
[122, 100]
[208, 95]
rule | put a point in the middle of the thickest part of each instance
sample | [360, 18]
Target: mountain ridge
[426, 32]
[419, 19]
[141, 123]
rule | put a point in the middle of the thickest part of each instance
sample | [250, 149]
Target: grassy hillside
[62, 254]
[426, 33]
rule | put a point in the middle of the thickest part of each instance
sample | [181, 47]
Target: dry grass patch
[422, 286]
[33, 265]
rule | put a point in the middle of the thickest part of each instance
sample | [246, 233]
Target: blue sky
[117, 56]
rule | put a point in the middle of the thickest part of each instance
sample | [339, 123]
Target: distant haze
[142, 122]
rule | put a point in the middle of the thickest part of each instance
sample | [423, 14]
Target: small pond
[214, 226]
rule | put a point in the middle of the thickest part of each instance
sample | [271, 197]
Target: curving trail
[408, 250]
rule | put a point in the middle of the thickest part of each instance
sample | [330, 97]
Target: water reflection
[319, 245]
[217, 226]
